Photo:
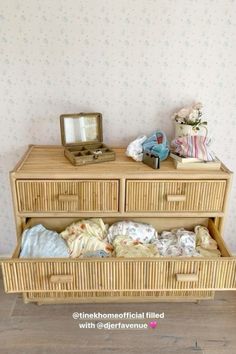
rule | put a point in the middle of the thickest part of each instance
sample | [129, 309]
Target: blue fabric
[42, 243]
[158, 149]
[98, 253]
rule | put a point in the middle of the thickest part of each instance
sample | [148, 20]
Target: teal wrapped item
[157, 144]
[98, 253]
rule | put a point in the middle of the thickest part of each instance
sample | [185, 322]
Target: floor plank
[188, 328]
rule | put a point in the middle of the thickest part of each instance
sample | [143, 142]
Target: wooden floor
[208, 327]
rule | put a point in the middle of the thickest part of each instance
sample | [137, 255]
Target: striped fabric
[193, 146]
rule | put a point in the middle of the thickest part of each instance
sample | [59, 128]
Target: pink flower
[197, 105]
[184, 112]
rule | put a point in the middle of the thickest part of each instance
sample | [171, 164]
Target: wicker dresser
[47, 189]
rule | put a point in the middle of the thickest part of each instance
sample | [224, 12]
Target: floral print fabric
[86, 236]
[141, 232]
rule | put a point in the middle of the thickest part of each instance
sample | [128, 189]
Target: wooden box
[81, 134]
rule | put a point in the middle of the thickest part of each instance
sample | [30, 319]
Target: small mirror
[80, 128]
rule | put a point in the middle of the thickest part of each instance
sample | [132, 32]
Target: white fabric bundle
[135, 148]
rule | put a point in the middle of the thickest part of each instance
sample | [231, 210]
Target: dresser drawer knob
[187, 277]
[68, 198]
[58, 279]
[176, 198]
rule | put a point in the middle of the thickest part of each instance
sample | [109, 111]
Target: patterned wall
[136, 61]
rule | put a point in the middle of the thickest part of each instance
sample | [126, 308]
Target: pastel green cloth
[125, 246]
[206, 245]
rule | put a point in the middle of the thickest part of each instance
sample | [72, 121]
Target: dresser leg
[25, 298]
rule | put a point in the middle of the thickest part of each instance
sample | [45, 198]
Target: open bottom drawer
[127, 275]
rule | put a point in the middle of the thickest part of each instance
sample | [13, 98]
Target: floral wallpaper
[135, 61]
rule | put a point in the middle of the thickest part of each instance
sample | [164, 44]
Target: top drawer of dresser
[172, 195]
[67, 195]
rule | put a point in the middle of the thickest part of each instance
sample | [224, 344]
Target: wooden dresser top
[41, 161]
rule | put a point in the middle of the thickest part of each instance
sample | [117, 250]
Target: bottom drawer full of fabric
[114, 275]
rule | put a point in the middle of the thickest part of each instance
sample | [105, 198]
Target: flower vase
[187, 129]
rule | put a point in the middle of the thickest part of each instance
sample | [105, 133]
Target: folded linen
[125, 246]
[135, 148]
[142, 232]
[38, 242]
[86, 236]
[193, 146]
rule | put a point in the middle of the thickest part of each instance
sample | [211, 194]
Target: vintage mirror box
[81, 134]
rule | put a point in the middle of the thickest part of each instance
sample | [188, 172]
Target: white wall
[135, 61]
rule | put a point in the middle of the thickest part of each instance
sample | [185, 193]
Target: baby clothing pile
[131, 239]
[177, 242]
[205, 244]
[127, 239]
[87, 238]
[180, 242]
[39, 242]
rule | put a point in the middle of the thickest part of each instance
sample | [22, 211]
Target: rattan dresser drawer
[67, 195]
[179, 196]
[115, 275]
